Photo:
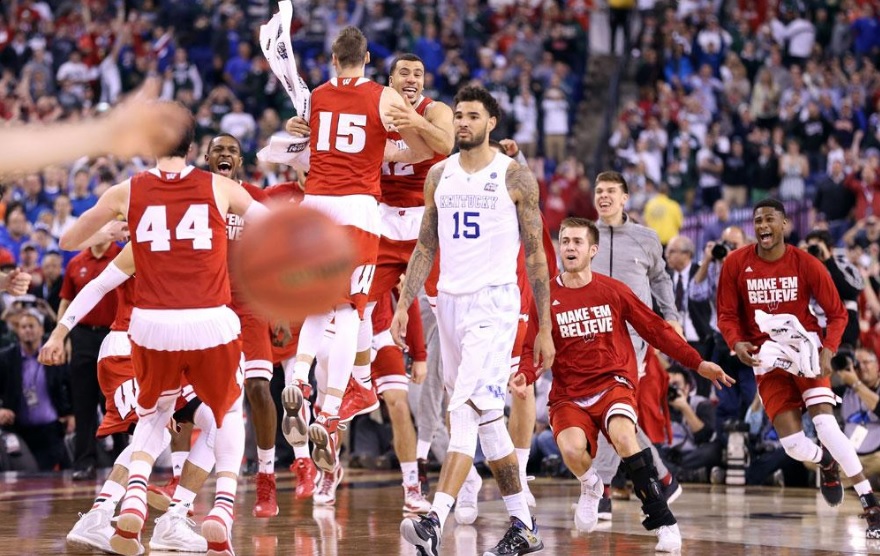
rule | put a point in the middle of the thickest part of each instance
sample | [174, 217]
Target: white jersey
[477, 226]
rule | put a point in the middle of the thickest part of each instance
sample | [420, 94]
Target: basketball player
[781, 279]
[119, 386]
[181, 325]
[224, 158]
[635, 257]
[479, 204]
[595, 376]
[349, 121]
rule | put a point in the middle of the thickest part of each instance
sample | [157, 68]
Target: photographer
[847, 280]
[860, 411]
[733, 402]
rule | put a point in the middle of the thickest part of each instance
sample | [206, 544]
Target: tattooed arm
[422, 258]
[523, 189]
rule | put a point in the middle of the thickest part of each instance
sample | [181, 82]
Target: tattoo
[506, 473]
[523, 189]
[422, 259]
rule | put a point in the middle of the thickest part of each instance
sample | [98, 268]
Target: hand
[824, 252]
[677, 327]
[679, 402]
[298, 127]
[16, 282]
[825, 361]
[544, 350]
[69, 423]
[404, 117]
[281, 335]
[7, 417]
[54, 351]
[113, 231]
[510, 147]
[714, 373]
[518, 385]
[419, 371]
[744, 351]
[398, 327]
[848, 376]
[707, 251]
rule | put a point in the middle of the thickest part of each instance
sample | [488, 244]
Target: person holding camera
[733, 402]
[861, 409]
[847, 280]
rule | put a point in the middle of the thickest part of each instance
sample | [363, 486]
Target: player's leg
[405, 447]
[521, 423]
[160, 497]
[429, 409]
[654, 416]
[360, 397]
[575, 440]
[303, 466]
[295, 422]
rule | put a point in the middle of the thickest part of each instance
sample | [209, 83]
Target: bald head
[679, 252]
[734, 235]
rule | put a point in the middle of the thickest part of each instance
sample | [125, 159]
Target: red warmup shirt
[234, 229]
[81, 270]
[748, 283]
[593, 347]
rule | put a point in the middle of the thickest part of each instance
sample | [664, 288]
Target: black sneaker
[872, 515]
[423, 476]
[832, 490]
[605, 509]
[519, 539]
[423, 532]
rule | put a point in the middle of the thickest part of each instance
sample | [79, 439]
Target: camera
[673, 392]
[843, 359]
[720, 250]
[814, 250]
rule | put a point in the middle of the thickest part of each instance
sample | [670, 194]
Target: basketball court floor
[36, 513]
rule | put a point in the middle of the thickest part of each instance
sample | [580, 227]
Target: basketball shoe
[357, 400]
[466, 510]
[160, 497]
[174, 532]
[414, 501]
[295, 423]
[217, 536]
[266, 504]
[832, 490]
[92, 530]
[306, 477]
[872, 515]
[423, 532]
[126, 539]
[586, 514]
[323, 436]
[605, 508]
[325, 493]
[668, 538]
[519, 539]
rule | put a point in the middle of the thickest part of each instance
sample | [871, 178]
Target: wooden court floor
[37, 512]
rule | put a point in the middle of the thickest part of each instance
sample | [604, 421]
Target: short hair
[475, 93]
[224, 134]
[775, 204]
[578, 222]
[350, 47]
[822, 235]
[186, 140]
[407, 57]
[613, 177]
[686, 244]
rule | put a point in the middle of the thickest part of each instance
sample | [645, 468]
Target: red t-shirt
[593, 347]
[234, 229]
[81, 270]
[748, 283]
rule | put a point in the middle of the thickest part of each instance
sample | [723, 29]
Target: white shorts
[115, 344]
[360, 211]
[401, 224]
[477, 332]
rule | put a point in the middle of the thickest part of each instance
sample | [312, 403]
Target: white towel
[284, 148]
[790, 348]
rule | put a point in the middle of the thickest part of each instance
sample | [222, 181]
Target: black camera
[843, 359]
[720, 250]
[673, 392]
[814, 250]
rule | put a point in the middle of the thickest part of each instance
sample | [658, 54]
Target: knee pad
[495, 440]
[124, 457]
[202, 453]
[151, 434]
[837, 444]
[801, 448]
[464, 423]
[365, 330]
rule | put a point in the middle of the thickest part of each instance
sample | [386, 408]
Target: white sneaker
[586, 514]
[175, 532]
[466, 510]
[92, 530]
[668, 538]
[325, 493]
[530, 498]
[413, 500]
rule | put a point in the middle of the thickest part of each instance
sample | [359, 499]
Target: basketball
[294, 263]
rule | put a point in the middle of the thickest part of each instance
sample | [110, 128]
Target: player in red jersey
[780, 279]
[349, 121]
[224, 158]
[181, 325]
[595, 376]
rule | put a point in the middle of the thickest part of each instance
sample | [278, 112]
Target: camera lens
[814, 250]
[719, 251]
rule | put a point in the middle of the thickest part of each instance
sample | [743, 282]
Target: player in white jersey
[479, 205]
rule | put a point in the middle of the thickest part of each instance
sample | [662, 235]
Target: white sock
[266, 460]
[301, 371]
[522, 457]
[331, 404]
[410, 472]
[863, 487]
[301, 451]
[177, 461]
[111, 493]
[441, 506]
[518, 507]
[224, 501]
[183, 500]
[363, 374]
[423, 448]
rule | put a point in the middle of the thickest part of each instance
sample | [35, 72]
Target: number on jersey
[125, 398]
[397, 169]
[466, 225]
[348, 132]
[194, 226]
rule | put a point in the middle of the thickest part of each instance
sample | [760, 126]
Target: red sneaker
[323, 435]
[306, 475]
[160, 497]
[357, 400]
[267, 503]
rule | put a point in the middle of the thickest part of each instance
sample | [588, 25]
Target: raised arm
[398, 113]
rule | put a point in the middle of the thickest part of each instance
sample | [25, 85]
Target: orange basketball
[293, 263]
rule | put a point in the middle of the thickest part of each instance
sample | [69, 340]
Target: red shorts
[392, 262]
[617, 400]
[366, 246]
[521, 330]
[280, 354]
[256, 346]
[782, 391]
[388, 370]
[216, 375]
[116, 378]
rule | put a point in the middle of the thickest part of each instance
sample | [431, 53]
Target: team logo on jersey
[281, 49]
[493, 175]
[490, 186]
[346, 81]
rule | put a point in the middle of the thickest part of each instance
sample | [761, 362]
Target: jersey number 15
[348, 133]
[466, 225]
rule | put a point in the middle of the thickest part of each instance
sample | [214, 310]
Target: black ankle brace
[642, 472]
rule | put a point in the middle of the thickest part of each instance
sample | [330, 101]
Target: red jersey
[748, 282]
[82, 269]
[593, 347]
[178, 241]
[383, 314]
[403, 185]
[234, 228]
[347, 142]
[124, 304]
[288, 191]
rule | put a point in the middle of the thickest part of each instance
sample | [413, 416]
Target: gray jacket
[632, 254]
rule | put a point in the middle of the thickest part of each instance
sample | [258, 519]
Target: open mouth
[224, 166]
[604, 205]
[765, 236]
[410, 91]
